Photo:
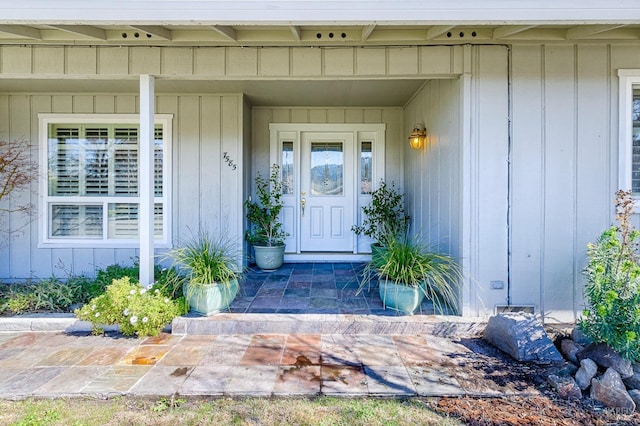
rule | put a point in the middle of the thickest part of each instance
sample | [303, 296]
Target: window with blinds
[93, 181]
[635, 144]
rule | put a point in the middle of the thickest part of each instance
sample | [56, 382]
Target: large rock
[635, 395]
[570, 349]
[565, 387]
[610, 391]
[587, 371]
[578, 336]
[633, 382]
[606, 357]
[521, 335]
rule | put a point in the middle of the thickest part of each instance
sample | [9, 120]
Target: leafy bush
[264, 214]
[384, 218]
[51, 295]
[167, 279]
[137, 310]
[57, 295]
[613, 285]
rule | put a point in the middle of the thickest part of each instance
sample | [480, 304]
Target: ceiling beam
[589, 30]
[154, 30]
[509, 30]
[366, 32]
[228, 32]
[438, 30]
[295, 31]
[22, 31]
[85, 30]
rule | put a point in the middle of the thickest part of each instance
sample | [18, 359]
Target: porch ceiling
[343, 93]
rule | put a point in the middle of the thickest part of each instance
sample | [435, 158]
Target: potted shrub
[265, 232]
[384, 218]
[212, 271]
[408, 271]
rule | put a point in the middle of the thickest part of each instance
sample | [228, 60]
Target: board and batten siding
[564, 167]
[457, 185]
[204, 127]
[432, 175]
[231, 62]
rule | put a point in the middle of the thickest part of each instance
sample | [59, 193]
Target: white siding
[204, 127]
[458, 201]
[432, 175]
[564, 167]
[231, 62]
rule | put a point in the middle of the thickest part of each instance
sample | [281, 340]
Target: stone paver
[238, 365]
[318, 338]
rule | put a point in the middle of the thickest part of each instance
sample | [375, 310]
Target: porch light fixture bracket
[418, 137]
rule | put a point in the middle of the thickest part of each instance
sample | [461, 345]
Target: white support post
[146, 190]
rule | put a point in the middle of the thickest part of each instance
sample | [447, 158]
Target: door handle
[303, 202]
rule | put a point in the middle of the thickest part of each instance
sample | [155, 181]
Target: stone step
[247, 323]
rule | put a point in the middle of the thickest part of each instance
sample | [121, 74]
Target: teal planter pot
[207, 299]
[401, 298]
[269, 258]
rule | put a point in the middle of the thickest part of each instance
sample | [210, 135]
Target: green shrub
[137, 310]
[57, 295]
[613, 285]
[50, 295]
[167, 279]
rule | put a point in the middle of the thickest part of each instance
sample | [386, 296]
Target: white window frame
[627, 79]
[165, 120]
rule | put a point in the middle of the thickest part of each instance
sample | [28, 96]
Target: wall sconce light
[418, 137]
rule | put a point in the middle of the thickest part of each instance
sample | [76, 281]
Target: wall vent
[503, 309]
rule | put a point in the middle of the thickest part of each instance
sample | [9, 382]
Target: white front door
[327, 190]
[327, 173]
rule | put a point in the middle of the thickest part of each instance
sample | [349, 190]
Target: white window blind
[93, 183]
[635, 147]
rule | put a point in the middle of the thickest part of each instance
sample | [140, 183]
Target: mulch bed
[542, 408]
[535, 410]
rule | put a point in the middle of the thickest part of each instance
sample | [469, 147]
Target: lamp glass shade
[416, 138]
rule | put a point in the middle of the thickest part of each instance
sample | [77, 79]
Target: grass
[227, 411]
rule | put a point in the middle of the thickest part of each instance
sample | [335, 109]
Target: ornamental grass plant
[205, 258]
[408, 262]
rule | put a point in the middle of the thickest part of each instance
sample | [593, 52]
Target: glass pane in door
[365, 168]
[287, 168]
[327, 168]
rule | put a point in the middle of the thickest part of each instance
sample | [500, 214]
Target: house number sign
[229, 161]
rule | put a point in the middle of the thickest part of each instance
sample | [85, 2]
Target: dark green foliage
[264, 214]
[384, 218]
[613, 285]
[50, 295]
[58, 295]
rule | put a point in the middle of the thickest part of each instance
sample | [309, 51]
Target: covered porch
[313, 288]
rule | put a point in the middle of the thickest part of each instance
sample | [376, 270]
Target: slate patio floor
[312, 288]
[39, 364]
[393, 358]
